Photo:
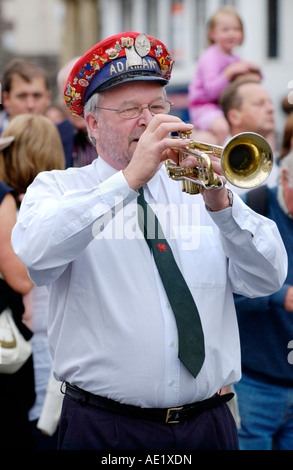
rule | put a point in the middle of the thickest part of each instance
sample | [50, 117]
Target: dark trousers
[86, 428]
[17, 395]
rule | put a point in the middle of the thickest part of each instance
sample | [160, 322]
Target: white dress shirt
[111, 328]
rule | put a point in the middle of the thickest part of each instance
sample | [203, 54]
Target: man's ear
[284, 178]
[92, 124]
[5, 99]
[233, 117]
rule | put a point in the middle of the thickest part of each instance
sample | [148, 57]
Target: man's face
[257, 111]
[26, 97]
[116, 137]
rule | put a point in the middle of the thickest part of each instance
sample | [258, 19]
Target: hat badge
[136, 50]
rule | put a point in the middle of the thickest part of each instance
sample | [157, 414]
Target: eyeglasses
[132, 112]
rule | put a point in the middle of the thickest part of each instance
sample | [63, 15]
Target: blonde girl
[216, 68]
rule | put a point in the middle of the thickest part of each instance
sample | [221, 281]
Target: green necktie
[191, 339]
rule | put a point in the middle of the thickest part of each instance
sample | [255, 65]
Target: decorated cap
[121, 58]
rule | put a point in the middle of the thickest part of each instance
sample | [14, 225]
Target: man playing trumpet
[136, 374]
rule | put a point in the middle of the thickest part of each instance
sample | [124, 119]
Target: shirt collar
[153, 185]
[104, 170]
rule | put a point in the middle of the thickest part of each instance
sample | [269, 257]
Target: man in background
[265, 392]
[248, 107]
[78, 149]
[113, 326]
[25, 89]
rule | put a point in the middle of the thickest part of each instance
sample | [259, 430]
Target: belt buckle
[170, 418]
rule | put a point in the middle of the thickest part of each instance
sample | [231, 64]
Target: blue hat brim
[102, 81]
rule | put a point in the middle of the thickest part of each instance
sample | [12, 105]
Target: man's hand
[288, 304]
[218, 199]
[154, 146]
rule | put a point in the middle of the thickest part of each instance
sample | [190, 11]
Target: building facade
[56, 30]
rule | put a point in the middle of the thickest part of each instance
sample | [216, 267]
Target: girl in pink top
[216, 68]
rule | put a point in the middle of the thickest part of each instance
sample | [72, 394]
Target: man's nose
[145, 116]
[270, 106]
[30, 103]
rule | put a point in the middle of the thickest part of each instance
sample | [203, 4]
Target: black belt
[163, 415]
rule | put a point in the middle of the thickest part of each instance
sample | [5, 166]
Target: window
[152, 18]
[273, 10]
[126, 14]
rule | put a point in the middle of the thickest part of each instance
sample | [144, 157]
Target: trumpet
[246, 162]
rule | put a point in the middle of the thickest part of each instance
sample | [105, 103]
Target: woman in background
[30, 144]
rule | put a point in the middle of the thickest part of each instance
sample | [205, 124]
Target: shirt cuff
[234, 217]
[116, 187]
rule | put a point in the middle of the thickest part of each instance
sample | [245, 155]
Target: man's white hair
[91, 107]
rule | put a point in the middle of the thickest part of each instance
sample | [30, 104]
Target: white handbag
[14, 349]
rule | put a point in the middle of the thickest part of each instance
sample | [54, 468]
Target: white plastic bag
[51, 410]
[14, 349]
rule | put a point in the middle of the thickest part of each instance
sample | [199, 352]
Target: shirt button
[170, 383]
[172, 344]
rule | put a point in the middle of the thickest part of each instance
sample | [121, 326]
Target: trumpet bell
[247, 160]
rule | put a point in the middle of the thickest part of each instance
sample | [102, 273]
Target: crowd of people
[147, 306]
